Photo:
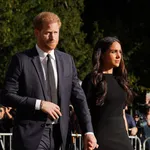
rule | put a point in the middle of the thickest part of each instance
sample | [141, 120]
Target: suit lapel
[60, 69]
[39, 70]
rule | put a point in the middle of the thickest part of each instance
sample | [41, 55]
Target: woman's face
[112, 57]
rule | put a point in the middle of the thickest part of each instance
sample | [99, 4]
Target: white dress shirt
[43, 59]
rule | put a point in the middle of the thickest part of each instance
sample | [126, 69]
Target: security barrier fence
[136, 143]
[76, 142]
[5, 141]
[146, 144]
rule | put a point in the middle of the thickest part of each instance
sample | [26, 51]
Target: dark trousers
[51, 138]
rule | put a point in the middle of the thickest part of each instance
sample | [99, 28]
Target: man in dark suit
[41, 98]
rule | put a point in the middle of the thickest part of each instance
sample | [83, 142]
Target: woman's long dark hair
[120, 72]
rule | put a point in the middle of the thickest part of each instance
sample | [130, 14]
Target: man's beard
[51, 45]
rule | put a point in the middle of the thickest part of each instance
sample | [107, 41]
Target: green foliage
[99, 19]
[17, 33]
[134, 84]
[128, 21]
[72, 39]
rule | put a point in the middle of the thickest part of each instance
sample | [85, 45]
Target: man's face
[48, 36]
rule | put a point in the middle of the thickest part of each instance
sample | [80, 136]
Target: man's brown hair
[45, 17]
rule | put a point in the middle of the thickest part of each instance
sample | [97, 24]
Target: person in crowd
[147, 99]
[132, 129]
[107, 90]
[148, 116]
[146, 128]
[74, 123]
[2, 112]
[131, 125]
[40, 83]
[6, 120]
[141, 121]
[2, 128]
[6, 123]
[136, 118]
[74, 131]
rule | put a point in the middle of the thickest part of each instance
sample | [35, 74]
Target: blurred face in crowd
[148, 111]
[148, 99]
[2, 112]
[148, 119]
[48, 36]
[136, 118]
[112, 57]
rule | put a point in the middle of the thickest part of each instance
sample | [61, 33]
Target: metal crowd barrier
[144, 143]
[3, 140]
[77, 141]
[136, 142]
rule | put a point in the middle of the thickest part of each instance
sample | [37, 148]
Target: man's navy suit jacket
[25, 83]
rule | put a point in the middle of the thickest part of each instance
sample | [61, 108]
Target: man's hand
[90, 142]
[7, 109]
[134, 131]
[51, 109]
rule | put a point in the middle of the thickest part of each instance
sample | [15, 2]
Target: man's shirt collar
[43, 54]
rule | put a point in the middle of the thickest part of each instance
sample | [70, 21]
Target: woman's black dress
[108, 122]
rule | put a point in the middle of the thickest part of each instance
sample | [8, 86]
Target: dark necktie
[51, 81]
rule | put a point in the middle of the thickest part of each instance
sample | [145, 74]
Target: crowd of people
[6, 119]
[7, 115]
[42, 83]
[142, 122]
